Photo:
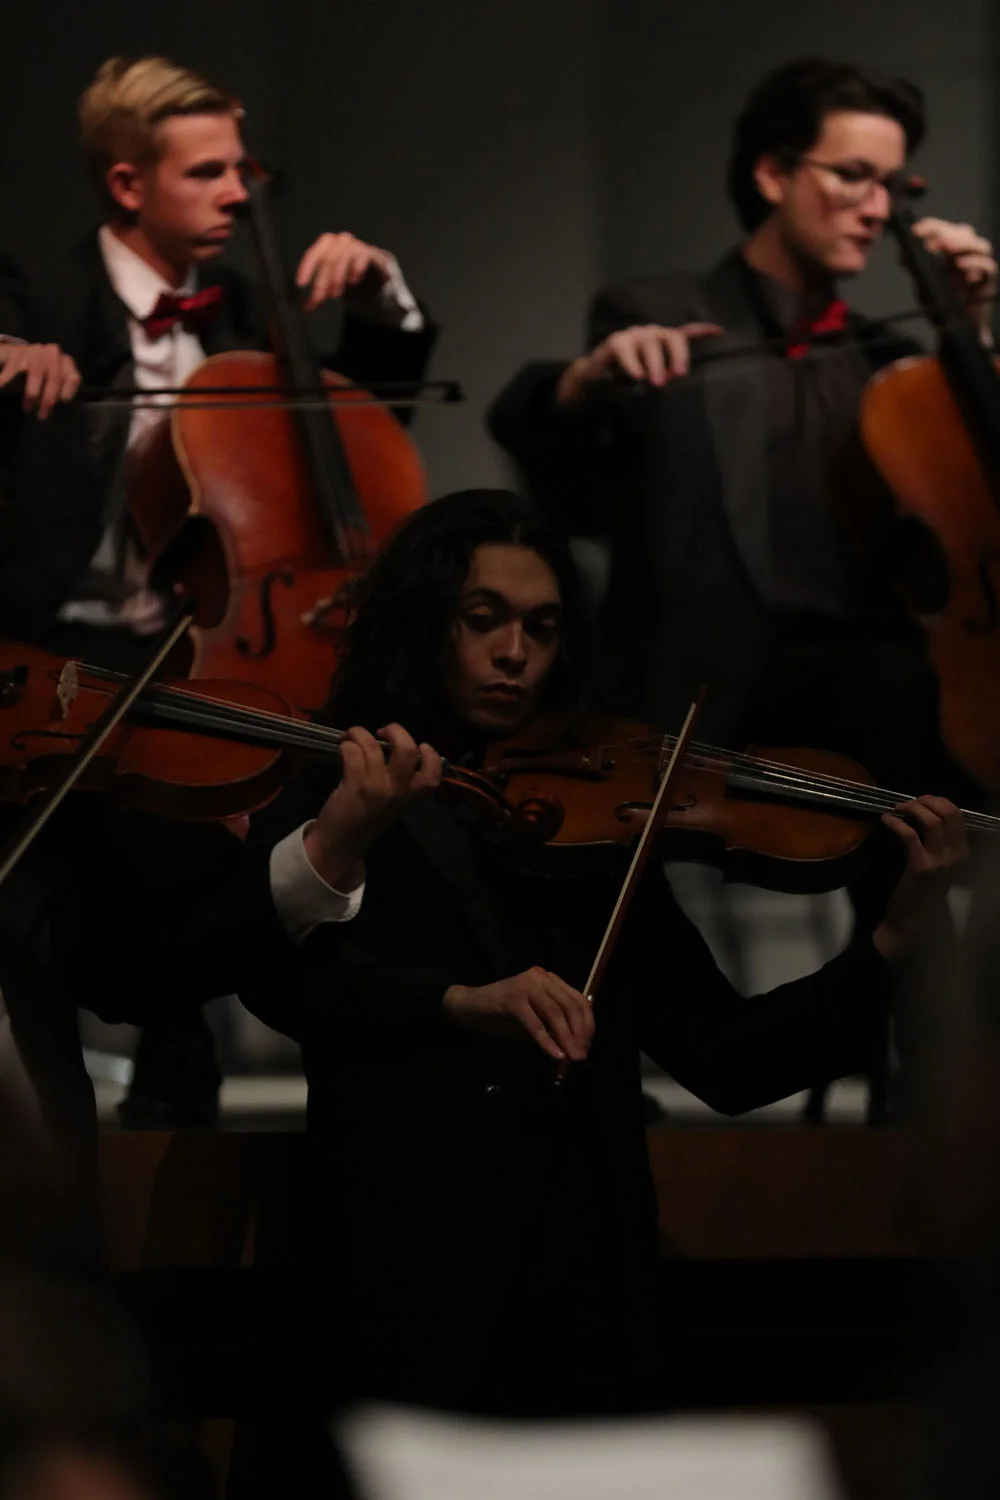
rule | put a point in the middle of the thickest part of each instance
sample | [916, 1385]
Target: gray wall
[677, 74]
[514, 154]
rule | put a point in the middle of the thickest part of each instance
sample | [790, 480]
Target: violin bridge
[67, 688]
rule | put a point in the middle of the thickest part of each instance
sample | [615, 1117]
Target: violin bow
[643, 849]
[306, 397]
[92, 741]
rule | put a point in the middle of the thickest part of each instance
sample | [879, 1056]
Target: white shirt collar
[134, 280]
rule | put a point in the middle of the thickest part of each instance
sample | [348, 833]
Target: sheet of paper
[396, 1454]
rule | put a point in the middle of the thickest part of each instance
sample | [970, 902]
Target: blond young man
[141, 302]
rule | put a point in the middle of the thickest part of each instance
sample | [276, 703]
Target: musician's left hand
[972, 262]
[933, 831]
[338, 264]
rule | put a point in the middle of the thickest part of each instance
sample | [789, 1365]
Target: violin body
[48, 704]
[574, 811]
[915, 434]
[223, 502]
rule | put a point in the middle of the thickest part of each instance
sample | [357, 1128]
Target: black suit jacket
[676, 480]
[59, 474]
[458, 1193]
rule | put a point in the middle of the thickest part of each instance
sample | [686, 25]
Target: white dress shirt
[301, 896]
[166, 361]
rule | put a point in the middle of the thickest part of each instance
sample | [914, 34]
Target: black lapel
[448, 847]
[241, 322]
[736, 410]
[102, 318]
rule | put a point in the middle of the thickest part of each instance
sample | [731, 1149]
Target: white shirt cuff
[393, 303]
[301, 896]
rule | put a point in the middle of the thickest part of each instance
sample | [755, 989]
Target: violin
[198, 751]
[790, 819]
[264, 510]
[931, 427]
[211, 750]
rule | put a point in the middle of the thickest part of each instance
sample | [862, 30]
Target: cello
[931, 427]
[263, 511]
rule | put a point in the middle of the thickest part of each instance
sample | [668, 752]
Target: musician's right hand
[644, 353]
[371, 794]
[50, 376]
[538, 1003]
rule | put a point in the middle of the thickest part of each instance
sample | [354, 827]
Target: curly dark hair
[395, 653]
[784, 117]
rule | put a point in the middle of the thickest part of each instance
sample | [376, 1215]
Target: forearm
[825, 1026]
[740, 1053]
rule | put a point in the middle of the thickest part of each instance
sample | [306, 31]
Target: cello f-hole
[267, 645]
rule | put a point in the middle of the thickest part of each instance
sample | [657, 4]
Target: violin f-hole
[267, 645]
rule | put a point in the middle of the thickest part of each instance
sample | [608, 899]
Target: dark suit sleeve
[572, 459]
[369, 351]
[739, 1053]
[13, 300]
[343, 975]
[224, 935]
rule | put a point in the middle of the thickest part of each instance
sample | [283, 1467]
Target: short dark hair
[784, 117]
[394, 654]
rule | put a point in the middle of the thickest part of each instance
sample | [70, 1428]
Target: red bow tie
[833, 319]
[194, 312]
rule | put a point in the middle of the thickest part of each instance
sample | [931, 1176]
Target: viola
[263, 510]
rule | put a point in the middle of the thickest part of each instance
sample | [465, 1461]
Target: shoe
[175, 1079]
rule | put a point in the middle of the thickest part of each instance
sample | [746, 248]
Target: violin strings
[201, 706]
[208, 713]
[853, 794]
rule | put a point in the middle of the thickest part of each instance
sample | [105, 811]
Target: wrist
[571, 382]
[339, 864]
[889, 943]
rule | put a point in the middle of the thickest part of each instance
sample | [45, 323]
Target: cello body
[916, 435]
[262, 509]
[225, 504]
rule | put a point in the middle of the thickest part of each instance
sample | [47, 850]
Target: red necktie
[194, 312]
[833, 319]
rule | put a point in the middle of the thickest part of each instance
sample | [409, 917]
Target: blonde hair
[129, 97]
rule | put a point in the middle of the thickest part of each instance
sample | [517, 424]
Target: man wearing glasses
[741, 523]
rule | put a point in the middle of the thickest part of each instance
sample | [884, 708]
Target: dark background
[514, 153]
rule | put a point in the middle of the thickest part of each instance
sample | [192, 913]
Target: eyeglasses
[856, 181]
